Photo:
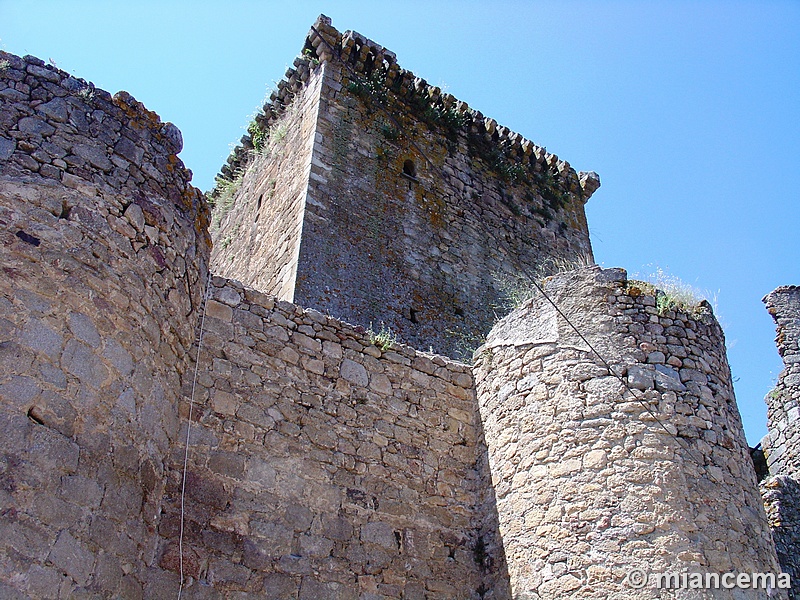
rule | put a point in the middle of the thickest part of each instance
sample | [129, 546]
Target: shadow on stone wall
[488, 549]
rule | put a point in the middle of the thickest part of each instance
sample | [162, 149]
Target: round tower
[104, 256]
[615, 445]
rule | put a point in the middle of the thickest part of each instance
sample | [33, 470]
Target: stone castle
[277, 417]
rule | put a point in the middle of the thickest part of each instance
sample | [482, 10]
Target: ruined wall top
[63, 128]
[636, 410]
[375, 69]
[784, 306]
[783, 402]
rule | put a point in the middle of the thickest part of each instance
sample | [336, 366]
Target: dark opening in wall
[35, 415]
[369, 64]
[759, 462]
[258, 206]
[409, 168]
[413, 312]
[28, 238]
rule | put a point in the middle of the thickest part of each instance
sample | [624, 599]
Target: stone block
[52, 451]
[227, 573]
[227, 296]
[36, 126]
[9, 593]
[379, 533]
[69, 555]
[95, 155]
[83, 329]
[43, 582]
[202, 488]
[217, 310]
[354, 372]
[30, 540]
[640, 378]
[19, 391]
[81, 490]
[7, 148]
[278, 586]
[40, 337]
[55, 512]
[79, 360]
[668, 380]
[227, 463]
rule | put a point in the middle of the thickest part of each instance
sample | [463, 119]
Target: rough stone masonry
[620, 449]
[325, 461]
[383, 201]
[781, 489]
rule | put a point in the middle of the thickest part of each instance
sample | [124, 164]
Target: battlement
[368, 194]
[373, 70]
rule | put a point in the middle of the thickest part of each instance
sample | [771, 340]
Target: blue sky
[689, 111]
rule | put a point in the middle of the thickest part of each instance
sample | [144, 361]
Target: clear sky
[689, 111]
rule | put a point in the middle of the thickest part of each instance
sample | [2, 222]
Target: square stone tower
[370, 195]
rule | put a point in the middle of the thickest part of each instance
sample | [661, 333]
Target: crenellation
[361, 55]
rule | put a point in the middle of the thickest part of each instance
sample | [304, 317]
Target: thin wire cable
[616, 375]
[592, 348]
[189, 430]
[399, 125]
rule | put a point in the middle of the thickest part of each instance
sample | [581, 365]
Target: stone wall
[596, 474]
[105, 249]
[325, 466]
[325, 462]
[781, 490]
[260, 213]
[422, 215]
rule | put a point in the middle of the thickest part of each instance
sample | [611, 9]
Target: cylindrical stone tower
[104, 256]
[781, 490]
[601, 472]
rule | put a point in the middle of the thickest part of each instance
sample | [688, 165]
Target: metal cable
[399, 125]
[189, 430]
[611, 370]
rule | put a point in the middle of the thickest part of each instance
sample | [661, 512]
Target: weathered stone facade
[781, 489]
[104, 254]
[633, 460]
[323, 465]
[417, 212]
[324, 462]
[258, 240]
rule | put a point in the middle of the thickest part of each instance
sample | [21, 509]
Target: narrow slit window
[258, 207]
[409, 168]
